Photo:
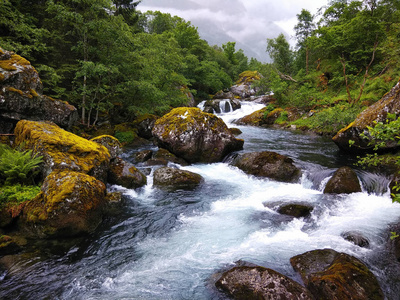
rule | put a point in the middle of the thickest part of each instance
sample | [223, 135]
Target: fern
[18, 166]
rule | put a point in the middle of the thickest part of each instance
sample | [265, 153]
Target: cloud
[248, 23]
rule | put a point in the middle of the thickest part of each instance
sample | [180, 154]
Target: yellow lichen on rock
[61, 149]
[248, 76]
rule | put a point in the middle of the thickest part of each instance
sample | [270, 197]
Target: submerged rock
[356, 238]
[63, 150]
[70, 204]
[296, 210]
[378, 112]
[176, 178]
[343, 181]
[268, 164]
[332, 275]
[125, 174]
[21, 96]
[260, 283]
[195, 136]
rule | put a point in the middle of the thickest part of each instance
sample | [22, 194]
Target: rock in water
[343, 181]
[260, 283]
[21, 96]
[195, 136]
[268, 164]
[70, 204]
[125, 174]
[175, 178]
[63, 150]
[332, 275]
[378, 112]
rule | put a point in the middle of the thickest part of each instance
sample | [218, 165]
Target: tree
[279, 50]
[304, 30]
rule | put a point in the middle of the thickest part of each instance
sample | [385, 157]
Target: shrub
[18, 166]
[17, 193]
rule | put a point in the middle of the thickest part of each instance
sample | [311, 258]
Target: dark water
[168, 245]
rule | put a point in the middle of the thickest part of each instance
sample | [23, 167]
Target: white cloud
[248, 22]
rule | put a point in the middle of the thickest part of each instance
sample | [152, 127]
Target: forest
[112, 61]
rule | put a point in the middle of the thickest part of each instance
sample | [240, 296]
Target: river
[168, 245]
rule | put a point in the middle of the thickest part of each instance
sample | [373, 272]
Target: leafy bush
[18, 166]
[17, 193]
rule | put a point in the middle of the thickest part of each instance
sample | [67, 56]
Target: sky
[247, 22]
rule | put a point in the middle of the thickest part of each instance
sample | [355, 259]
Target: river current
[168, 245]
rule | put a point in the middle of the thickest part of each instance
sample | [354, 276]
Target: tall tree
[304, 30]
[281, 54]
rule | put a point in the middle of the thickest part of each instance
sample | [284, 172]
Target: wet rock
[195, 136]
[113, 146]
[164, 154]
[235, 131]
[143, 156]
[8, 245]
[260, 283]
[343, 181]
[296, 210]
[356, 238]
[256, 118]
[378, 112]
[221, 106]
[125, 174]
[70, 204]
[268, 164]
[175, 178]
[21, 96]
[332, 275]
[62, 150]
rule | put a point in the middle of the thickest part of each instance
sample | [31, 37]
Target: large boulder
[195, 136]
[62, 150]
[70, 204]
[268, 164]
[378, 112]
[112, 144]
[176, 178]
[125, 174]
[332, 275]
[260, 283]
[343, 181]
[21, 96]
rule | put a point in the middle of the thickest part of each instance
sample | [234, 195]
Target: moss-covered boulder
[21, 96]
[173, 178]
[195, 136]
[125, 174]
[256, 118]
[62, 150]
[144, 125]
[378, 112]
[70, 204]
[332, 275]
[296, 210]
[260, 283]
[343, 181]
[268, 164]
[8, 245]
[112, 144]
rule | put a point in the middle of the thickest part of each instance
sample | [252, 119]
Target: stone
[195, 136]
[260, 283]
[332, 275]
[144, 125]
[21, 96]
[356, 238]
[125, 174]
[70, 204]
[296, 210]
[343, 181]
[62, 150]
[143, 156]
[8, 245]
[113, 146]
[176, 178]
[268, 164]
[378, 112]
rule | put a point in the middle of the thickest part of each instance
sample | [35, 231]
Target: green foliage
[330, 120]
[393, 235]
[18, 166]
[126, 137]
[17, 193]
[279, 50]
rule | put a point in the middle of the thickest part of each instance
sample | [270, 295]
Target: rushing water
[168, 245]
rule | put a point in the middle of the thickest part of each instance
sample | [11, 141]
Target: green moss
[16, 194]
[248, 76]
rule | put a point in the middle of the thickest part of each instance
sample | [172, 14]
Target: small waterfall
[225, 106]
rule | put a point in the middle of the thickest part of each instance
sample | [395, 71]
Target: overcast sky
[247, 22]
